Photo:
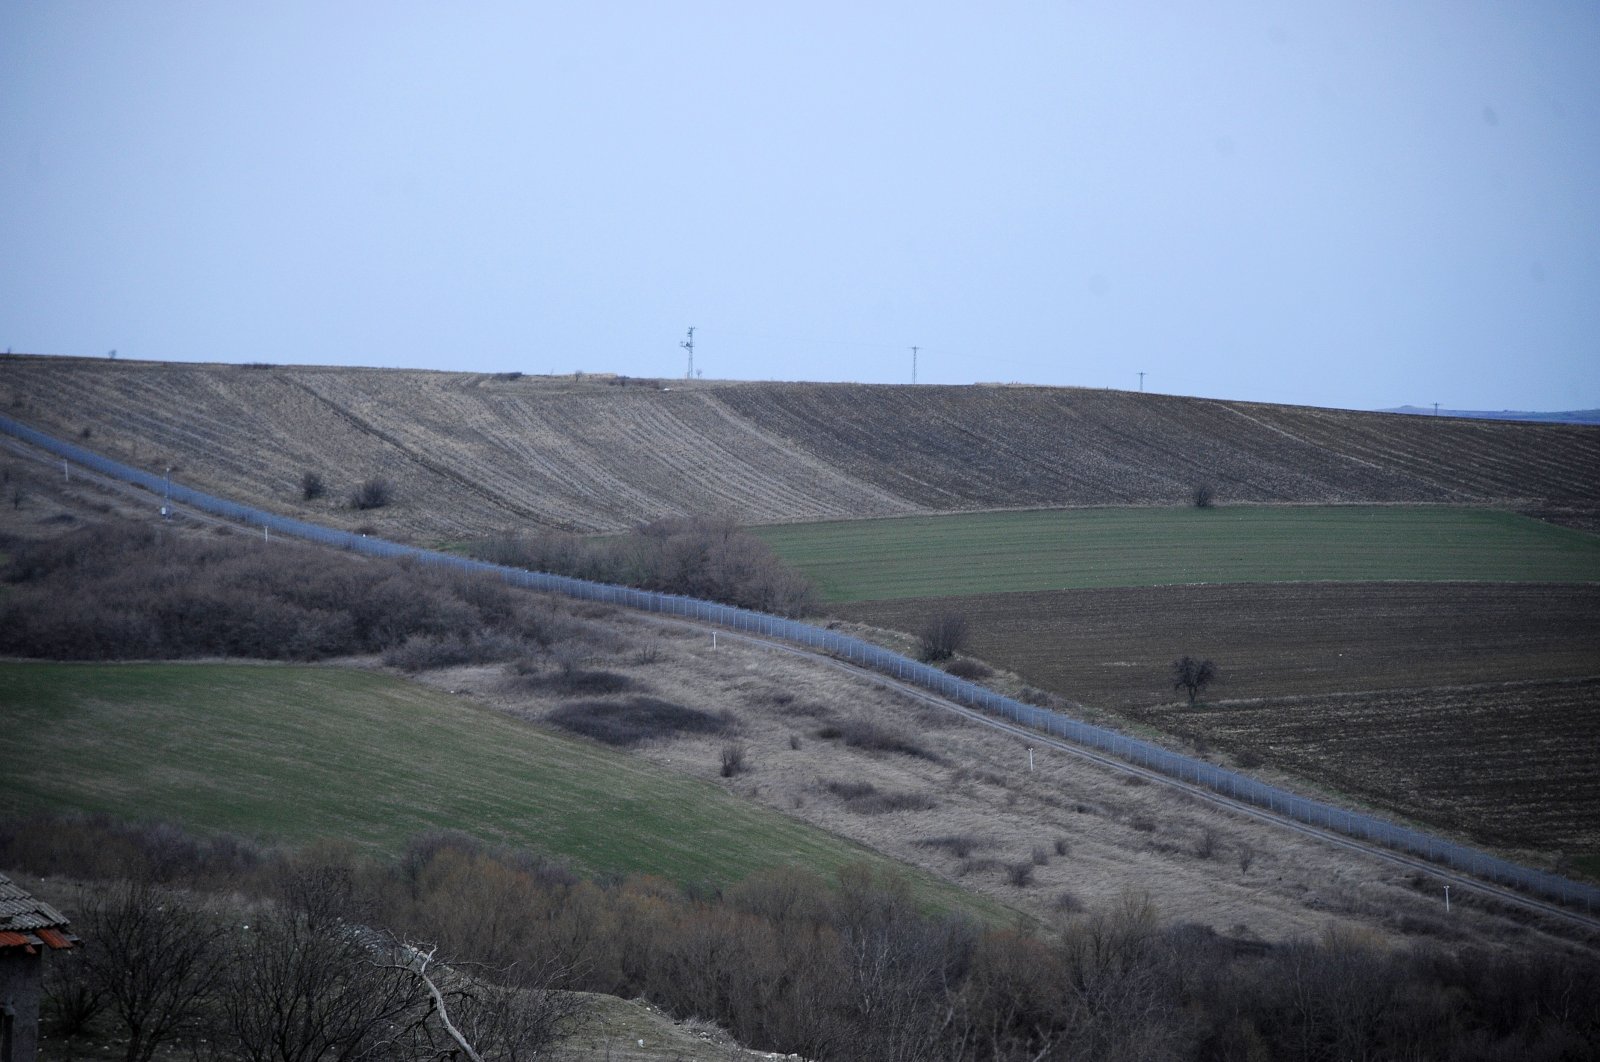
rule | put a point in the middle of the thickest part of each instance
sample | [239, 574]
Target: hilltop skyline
[1353, 206]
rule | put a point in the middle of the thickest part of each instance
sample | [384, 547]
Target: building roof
[29, 923]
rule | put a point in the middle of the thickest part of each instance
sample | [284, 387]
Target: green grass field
[979, 553]
[298, 753]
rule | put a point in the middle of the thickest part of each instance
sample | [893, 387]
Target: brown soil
[1470, 708]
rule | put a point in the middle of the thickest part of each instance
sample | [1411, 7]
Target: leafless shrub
[969, 669]
[1143, 823]
[942, 637]
[373, 493]
[311, 485]
[1066, 902]
[794, 742]
[1041, 855]
[1247, 855]
[1062, 846]
[1204, 496]
[1249, 759]
[960, 845]
[1205, 845]
[636, 720]
[977, 864]
[71, 999]
[872, 736]
[1039, 698]
[733, 760]
[1020, 874]
[864, 798]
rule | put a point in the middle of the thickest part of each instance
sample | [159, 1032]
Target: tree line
[845, 968]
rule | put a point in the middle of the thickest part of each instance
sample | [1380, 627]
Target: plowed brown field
[1473, 708]
[470, 453]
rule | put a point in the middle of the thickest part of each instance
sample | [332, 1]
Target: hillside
[469, 453]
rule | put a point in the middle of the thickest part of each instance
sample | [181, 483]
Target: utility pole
[914, 363]
[1141, 383]
[688, 344]
[1436, 409]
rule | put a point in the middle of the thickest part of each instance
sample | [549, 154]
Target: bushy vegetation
[700, 557]
[373, 493]
[127, 591]
[874, 736]
[844, 969]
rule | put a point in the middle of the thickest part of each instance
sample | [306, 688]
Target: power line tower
[914, 363]
[688, 344]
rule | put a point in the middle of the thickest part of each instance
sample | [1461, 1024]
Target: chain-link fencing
[857, 651]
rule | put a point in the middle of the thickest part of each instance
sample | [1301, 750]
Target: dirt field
[469, 454]
[1511, 765]
[1470, 707]
[1111, 648]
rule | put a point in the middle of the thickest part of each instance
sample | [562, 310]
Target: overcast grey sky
[1335, 203]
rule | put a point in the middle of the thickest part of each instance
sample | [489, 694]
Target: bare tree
[1193, 675]
[468, 1014]
[297, 991]
[943, 636]
[311, 485]
[154, 959]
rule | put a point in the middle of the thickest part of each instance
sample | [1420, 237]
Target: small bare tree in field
[311, 486]
[943, 636]
[1193, 675]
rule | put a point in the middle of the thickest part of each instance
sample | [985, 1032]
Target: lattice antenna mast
[688, 344]
[914, 363]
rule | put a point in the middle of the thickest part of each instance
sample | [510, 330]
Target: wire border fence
[858, 651]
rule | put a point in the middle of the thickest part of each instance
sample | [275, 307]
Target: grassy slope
[982, 553]
[296, 753]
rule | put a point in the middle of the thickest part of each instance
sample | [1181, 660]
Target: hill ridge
[470, 453]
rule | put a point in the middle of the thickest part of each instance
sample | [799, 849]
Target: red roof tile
[16, 940]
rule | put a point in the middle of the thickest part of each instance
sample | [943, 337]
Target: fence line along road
[857, 651]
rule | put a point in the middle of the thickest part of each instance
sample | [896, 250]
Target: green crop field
[296, 753]
[980, 553]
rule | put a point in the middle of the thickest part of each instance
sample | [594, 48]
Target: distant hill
[1571, 416]
[470, 453]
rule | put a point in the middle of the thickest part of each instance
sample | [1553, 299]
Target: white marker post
[1447, 899]
[1030, 758]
